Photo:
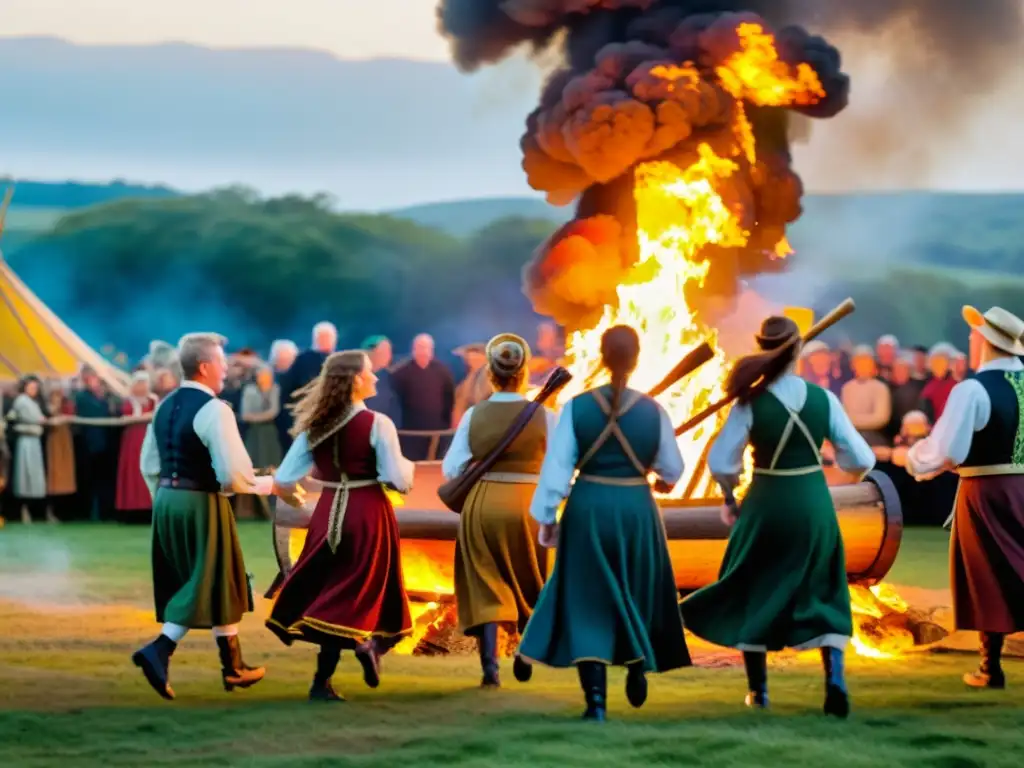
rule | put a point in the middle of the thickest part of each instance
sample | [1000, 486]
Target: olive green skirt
[199, 578]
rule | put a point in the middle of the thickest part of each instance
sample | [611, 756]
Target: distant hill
[74, 194]
[837, 234]
[464, 217]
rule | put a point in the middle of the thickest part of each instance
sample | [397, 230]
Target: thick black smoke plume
[609, 108]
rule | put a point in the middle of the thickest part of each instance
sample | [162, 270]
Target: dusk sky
[403, 28]
[884, 140]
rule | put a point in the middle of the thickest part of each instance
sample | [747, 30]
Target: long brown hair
[327, 399]
[779, 340]
[620, 350]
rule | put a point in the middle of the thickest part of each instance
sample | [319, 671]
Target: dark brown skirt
[986, 558]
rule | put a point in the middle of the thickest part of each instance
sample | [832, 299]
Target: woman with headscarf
[499, 569]
[346, 591]
[27, 418]
[611, 599]
[782, 582]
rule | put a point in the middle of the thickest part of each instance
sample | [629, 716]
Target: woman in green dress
[782, 583]
[611, 599]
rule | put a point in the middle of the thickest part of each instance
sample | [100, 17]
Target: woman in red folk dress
[346, 592]
[133, 502]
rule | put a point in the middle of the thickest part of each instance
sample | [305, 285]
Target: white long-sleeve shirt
[459, 454]
[215, 425]
[392, 467]
[967, 411]
[725, 459]
[559, 467]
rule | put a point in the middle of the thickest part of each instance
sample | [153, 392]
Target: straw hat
[1002, 329]
[467, 349]
[507, 354]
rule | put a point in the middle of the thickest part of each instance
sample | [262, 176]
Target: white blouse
[392, 467]
[215, 425]
[559, 467]
[967, 411]
[725, 459]
[459, 455]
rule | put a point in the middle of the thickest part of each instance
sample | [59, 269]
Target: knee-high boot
[990, 673]
[837, 700]
[756, 665]
[594, 682]
[487, 643]
[326, 663]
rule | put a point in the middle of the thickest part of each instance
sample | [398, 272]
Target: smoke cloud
[641, 80]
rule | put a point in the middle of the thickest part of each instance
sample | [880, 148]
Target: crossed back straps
[612, 429]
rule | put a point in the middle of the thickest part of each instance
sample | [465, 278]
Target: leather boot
[488, 645]
[990, 673]
[756, 665]
[368, 655]
[636, 685]
[837, 700]
[233, 670]
[326, 663]
[594, 682]
[155, 660]
[522, 669]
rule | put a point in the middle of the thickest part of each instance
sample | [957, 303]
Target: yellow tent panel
[33, 340]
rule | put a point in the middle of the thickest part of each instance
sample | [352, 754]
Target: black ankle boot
[155, 660]
[990, 673]
[837, 700]
[756, 665]
[594, 682]
[234, 672]
[488, 645]
[368, 655]
[326, 663]
[522, 669]
[636, 685]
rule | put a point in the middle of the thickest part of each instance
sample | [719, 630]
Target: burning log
[869, 514]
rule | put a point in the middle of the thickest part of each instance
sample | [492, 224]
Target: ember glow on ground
[74, 603]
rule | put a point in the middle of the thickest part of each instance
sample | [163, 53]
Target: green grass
[74, 603]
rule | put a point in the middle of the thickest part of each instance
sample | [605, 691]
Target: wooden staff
[694, 359]
[820, 327]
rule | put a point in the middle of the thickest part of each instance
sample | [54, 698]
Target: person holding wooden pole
[499, 568]
[782, 583]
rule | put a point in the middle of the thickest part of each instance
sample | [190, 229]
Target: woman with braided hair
[499, 568]
[611, 599]
[782, 582]
[346, 591]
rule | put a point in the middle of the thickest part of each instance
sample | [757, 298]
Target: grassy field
[74, 603]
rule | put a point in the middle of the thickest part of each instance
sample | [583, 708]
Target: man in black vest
[192, 456]
[981, 436]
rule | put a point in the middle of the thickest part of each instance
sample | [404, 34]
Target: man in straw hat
[981, 436]
[192, 455]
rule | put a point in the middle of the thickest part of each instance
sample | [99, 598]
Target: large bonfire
[668, 127]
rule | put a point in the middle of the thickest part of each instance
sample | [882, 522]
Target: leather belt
[624, 482]
[991, 470]
[182, 484]
[511, 477]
